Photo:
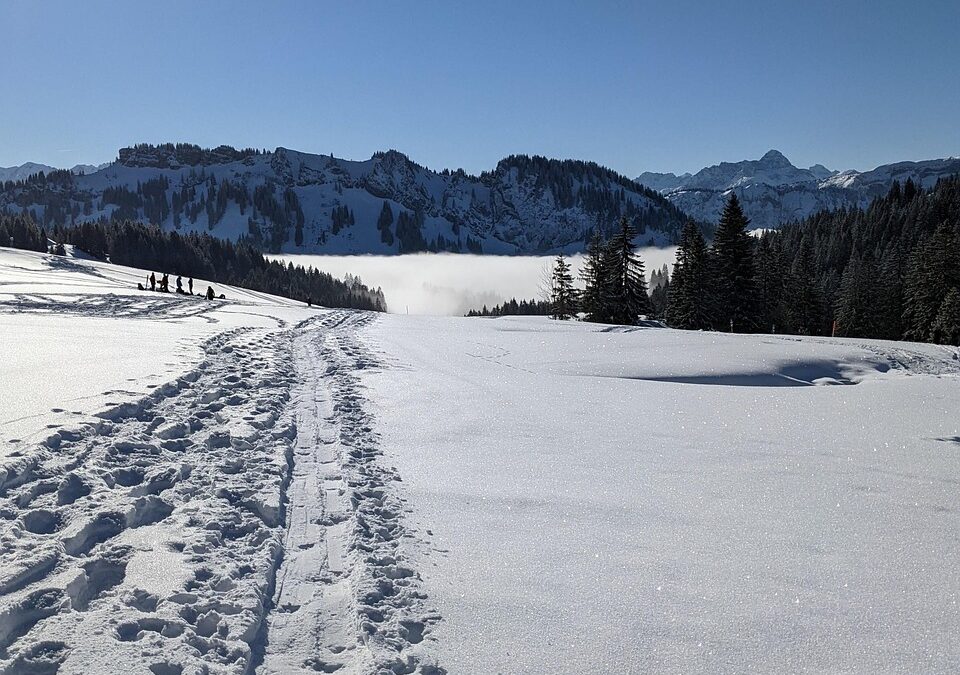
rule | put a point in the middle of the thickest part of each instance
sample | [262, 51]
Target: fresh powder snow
[251, 485]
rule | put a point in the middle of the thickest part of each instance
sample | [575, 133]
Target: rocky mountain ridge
[773, 191]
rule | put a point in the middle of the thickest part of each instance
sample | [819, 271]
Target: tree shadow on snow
[809, 374]
[59, 262]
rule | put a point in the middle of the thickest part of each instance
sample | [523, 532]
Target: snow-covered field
[250, 485]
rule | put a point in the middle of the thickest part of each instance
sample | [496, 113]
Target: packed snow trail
[344, 569]
[150, 539]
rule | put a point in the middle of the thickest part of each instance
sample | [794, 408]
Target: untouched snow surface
[270, 488]
[613, 500]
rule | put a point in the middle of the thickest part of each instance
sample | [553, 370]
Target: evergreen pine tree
[858, 307]
[890, 295]
[594, 299]
[626, 278]
[734, 291]
[946, 327]
[933, 271]
[806, 302]
[688, 305]
[562, 293]
[771, 275]
[660, 296]
[384, 222]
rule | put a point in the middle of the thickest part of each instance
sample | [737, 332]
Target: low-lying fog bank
[453, 284]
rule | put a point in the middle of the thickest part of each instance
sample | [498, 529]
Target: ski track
[345, 594]
[166, 306]
[238, 519]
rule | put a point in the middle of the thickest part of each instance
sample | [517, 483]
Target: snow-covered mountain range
[24, 171]
[297, 202]
[773, 191]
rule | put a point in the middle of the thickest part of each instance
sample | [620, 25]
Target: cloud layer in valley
[453, 284]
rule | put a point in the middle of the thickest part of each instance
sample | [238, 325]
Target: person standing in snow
[165, 284]
[190, 285]
[153, 281]
[179, 284]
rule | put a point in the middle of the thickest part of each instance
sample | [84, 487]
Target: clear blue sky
[663, 86]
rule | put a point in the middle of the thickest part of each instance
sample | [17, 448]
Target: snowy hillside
[773, 191]
[296, 202]
[250, 485]
[192, 486]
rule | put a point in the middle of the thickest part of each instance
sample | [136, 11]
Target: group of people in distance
[164, 286]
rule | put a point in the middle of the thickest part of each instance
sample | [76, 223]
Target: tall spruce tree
[732, 255]
[688, 304]
[298, 234]
[563, 296]
[890, 294]
[660, 295]
[946, 327]
[933, 271]
[626, 278]
[771, 278]
[806, 301]
[595, 297]
[859, 305]
[384, 222]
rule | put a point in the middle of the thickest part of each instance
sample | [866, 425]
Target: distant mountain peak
[24, 171]
[775, 158]
[773, 191]
[821, 172]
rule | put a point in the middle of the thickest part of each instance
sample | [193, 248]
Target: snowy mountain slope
[233, 518]
[773, 191]
[40, 295]
[298, 202]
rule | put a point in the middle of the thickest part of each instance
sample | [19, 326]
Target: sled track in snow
[216, 525]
